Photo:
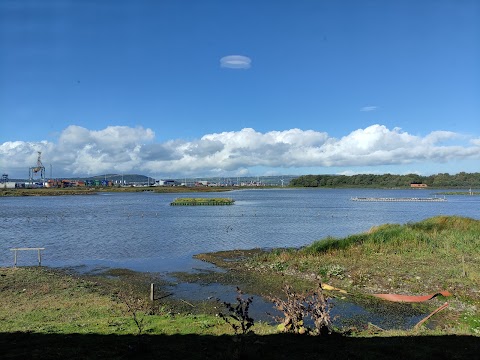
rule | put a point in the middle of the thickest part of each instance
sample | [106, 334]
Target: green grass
[42, 300]
[46, 192]
[46, 314]
[440, 253]
[442, 234]
[94, 190]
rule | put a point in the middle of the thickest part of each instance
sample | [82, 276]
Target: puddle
[386, 316]
[258, 310]
[206, 283]
[344, 312]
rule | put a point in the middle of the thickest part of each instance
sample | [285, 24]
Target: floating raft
[202, 201]
[374, 199]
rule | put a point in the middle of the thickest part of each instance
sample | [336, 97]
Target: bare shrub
[294, 310]
[299, 307]
[319, 310]
[238, 317]
[136, 308]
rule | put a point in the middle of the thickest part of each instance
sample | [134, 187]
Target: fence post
[152, 291]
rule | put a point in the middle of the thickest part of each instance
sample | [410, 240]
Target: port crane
[37, 170]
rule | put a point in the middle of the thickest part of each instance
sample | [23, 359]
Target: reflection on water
[343, 313]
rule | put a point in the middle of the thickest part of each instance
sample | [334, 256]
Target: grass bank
[95, 190]
[43, 300]
[46, 192]
[50, 314]
[440, 253]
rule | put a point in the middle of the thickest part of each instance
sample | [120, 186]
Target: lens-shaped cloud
[369, 108]
[235, 62]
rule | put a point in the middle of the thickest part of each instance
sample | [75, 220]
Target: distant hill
[127, 178]
[266, 180]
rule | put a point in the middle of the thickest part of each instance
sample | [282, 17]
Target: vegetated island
[202, 201]
[49, 313]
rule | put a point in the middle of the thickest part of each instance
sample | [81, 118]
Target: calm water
[142, 231]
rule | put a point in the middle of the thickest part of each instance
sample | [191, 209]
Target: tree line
[443, 180]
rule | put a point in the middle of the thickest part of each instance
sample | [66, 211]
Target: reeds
[440, 234]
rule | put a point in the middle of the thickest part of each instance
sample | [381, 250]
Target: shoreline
[179, 189]
[45, 306]
[94, 191]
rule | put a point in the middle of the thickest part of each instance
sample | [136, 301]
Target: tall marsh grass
[447, 235]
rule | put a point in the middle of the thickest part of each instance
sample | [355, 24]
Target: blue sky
[328, 87]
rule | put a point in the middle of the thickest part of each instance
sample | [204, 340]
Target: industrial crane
[39, 163]
[37, 169]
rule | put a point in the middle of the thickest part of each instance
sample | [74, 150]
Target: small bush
[332, 271]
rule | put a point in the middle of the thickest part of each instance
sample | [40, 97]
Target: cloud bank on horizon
[121, 149]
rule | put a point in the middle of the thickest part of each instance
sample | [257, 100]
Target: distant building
[417, 185]
[168, 182]
[202, 183]
[8, 185]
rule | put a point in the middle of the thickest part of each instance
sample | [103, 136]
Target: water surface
[142, 231]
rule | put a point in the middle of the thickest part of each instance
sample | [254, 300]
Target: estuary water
[141, 231]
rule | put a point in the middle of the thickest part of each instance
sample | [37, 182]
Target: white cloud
[121, 149]
[235, 62]
[369, 108]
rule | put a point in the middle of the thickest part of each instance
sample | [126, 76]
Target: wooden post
[152, 291]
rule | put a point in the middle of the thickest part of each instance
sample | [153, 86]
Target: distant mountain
[127, 178]
[266, 180]
[135, 178]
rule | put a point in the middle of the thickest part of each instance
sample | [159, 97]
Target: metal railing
[26, 249]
